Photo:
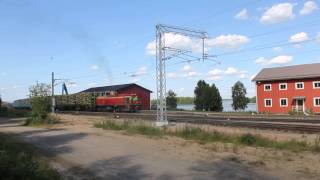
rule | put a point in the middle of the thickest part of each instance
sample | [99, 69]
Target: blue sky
[99, 42]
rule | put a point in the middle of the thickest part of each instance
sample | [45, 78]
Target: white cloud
[141, 71]
[191, 74]
[186, 43]
[135, 80]
[318, 37]
[176, 41]
[217, 74]
[278, 13]
[228, 41]
[186, 72]
[173, 75]
[277, 49]
[231, 71]
[94, 67]
[151, 48]
[92, 84]
[242, 15]
[283, 59]
[186, 67]
[299, 37]
[308, 7]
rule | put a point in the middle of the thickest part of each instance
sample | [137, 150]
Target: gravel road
[84, 152]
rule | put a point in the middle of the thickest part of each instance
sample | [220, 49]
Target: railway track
[284, 124]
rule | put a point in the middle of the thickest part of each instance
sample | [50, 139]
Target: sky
[105, 42]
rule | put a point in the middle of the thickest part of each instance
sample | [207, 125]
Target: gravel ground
[80, 151]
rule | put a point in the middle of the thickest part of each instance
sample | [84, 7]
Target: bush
[248, 139]
[35, 120]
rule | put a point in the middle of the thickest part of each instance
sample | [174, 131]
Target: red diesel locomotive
[119, 102]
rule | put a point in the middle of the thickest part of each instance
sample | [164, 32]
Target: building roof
[112, 88]
[289, 72]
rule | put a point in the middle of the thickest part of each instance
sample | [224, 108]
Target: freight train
[91, 102]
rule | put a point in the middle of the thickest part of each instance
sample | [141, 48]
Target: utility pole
[161, 57]
[53, 101]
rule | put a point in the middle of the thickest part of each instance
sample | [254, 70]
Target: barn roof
[112, 88]
[289, 72]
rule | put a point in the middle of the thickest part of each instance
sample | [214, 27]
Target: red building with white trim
[290, 88]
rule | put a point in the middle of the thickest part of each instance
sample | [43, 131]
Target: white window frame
[296, 84]
[314, 84]
[314, 101]
[287, 102]
[265, 102]
[264, 87]
[283, 84]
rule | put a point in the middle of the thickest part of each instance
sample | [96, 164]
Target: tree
[215, 99]
[239, 99]
[200, 95]
[171, 100]
[207, 97]
[40, 101]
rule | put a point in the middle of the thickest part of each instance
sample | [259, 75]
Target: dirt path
[83, 152]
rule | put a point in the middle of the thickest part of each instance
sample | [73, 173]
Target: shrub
[248, 139]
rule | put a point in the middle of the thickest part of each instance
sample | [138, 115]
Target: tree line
[207, 97]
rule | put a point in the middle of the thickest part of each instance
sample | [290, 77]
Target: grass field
[202, 136]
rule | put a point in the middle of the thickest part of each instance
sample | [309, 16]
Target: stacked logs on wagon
[79, 101]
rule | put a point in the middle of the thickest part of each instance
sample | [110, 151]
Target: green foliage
[185, 100]
[130, 127]
[253, 99]
[171, 100]
[295, 113]
[40, 103]
[207, 97]
[248, 139]
[40, 107]
[239, 99]
[18, 162]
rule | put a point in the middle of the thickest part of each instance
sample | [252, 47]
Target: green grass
[203, 137]
[17, 161]
[131, 128]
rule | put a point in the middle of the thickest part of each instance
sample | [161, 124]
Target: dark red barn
[141, 92]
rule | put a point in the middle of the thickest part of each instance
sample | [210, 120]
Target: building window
[268, 102]
[316, 85]
[299, 85]
[283, 86]
[267, 87]
[283, 102]
[316, 102]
